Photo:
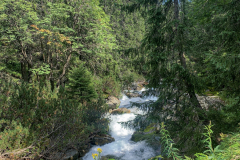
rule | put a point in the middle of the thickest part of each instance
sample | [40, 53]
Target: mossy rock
[146, 134]
[140, 136]
[150, 128]
[117, 106]
[211, 93]
[132, 94]
[149, 135]
[105, 96]
[109, 157]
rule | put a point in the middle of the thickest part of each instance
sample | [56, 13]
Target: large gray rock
[209, 101]
[113, 102]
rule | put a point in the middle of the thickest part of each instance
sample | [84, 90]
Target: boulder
[135, 86]
[150, 135]
[130, 94]
[71, 155]
[140, 85]
[120, 111]
[208, 102]
[113, 102]
[74, 153]
[144, 135]
[102, 139]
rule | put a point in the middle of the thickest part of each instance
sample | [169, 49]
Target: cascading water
[123, 147]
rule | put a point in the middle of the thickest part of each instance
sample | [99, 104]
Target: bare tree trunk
[26, 63]
[64, 70]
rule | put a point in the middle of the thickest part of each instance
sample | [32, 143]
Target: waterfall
[123, 147]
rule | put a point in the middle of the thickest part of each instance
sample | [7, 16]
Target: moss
[149, 128]
[105, 96]
[109, 157]
[138, 136]
[117, 106]
[212, 93]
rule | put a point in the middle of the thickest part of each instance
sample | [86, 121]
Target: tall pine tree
[170, 74]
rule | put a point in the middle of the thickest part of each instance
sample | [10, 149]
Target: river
[123, 147]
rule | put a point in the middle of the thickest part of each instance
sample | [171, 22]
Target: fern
[168, 149]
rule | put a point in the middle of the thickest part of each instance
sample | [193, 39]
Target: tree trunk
[189, 85]
[24, 71]
[64, 70]
[52, 83]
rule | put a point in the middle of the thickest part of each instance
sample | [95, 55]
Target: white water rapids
[123, 147]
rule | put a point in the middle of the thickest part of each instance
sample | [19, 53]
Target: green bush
[229, 148]
[13, 135]
[48, 120]
[129, 77]
[109, 86]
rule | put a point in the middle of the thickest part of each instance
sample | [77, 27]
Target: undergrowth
[229, 148]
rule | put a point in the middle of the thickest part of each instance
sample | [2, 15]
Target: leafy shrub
[109, 85]
[48, 120]
[228, 149]
[129, 77]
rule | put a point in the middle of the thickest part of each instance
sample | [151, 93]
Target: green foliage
[189, 47]
[107, 85]
[43, 70]
[43, 117]
[129, 77]
[167, 144]
[169, 72]
[80, 84]
[129, 31]
[39, 43]
[92, 114]
[54, 34]
[228, 149]
[182, 47]
[13, 135]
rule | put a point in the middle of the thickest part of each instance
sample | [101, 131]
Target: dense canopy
[61, 59]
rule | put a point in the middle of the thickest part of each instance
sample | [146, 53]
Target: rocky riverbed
[122, 140]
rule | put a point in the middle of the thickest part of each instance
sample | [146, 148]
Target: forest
[60, 60]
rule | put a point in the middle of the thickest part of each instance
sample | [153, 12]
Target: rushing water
[123, 147]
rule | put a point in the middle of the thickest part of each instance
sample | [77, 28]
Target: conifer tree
[215, 49]
[170, 72]
[80, 84]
